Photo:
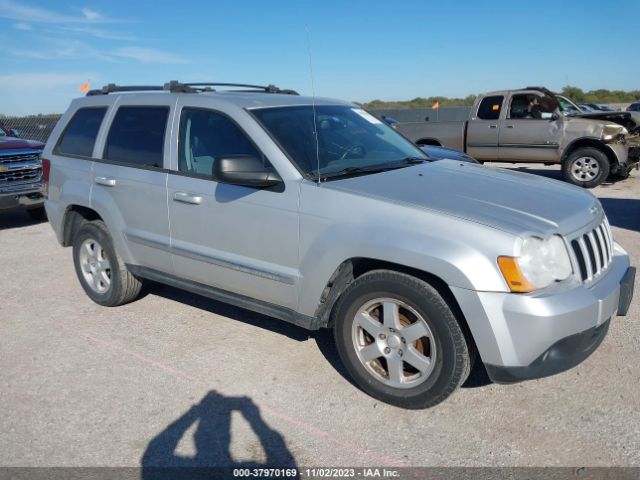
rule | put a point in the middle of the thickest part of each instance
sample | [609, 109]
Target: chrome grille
[593, 251]
[20, 168]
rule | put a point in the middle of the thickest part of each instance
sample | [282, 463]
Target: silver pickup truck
[536, 125]
[313, 211]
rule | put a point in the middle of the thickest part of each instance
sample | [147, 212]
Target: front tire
[586, 167]
[399, 340]
[102, 273]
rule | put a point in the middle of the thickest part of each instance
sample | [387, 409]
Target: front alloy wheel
[400, 340]
[393, 342]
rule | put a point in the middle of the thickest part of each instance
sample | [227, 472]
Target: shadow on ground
[17, 219]
[623, 212]
[212, 441]
[323, 338]
[226, 310]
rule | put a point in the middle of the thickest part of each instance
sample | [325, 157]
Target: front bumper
[521, 337]
[569, 351]
[21, 196]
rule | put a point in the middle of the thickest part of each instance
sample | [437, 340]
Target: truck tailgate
[448, 134]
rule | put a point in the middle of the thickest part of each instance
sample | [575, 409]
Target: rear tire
[399, 340]
[102, 273]
[586, 167]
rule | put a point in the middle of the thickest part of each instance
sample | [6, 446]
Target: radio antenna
[313, 105]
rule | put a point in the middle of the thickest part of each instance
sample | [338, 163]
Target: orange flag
[436, 105]
[84, 88]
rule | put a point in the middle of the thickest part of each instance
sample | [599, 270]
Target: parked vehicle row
[20, 174]
[536, 125]
[315, 212]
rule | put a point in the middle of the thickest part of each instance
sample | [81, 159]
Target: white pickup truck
[536, 125]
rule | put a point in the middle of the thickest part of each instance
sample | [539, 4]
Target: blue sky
[361, 50]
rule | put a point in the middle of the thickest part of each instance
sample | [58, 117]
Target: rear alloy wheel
[587, 167]
[399, 340]
[102, 273]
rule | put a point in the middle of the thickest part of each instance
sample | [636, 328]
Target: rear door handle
[509, 126]
[185, 197]
[107, 182]
[493, 126]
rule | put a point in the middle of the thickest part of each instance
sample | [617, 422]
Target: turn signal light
[513, 275]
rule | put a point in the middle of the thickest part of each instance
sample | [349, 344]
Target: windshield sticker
[367, 116]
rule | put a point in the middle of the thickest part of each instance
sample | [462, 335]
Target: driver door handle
[107, 182]
[185, 197]
[493, 126]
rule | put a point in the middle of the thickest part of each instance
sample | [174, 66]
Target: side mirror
[15, 133]
[244, 170]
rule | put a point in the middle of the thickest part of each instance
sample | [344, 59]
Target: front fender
[461, 253]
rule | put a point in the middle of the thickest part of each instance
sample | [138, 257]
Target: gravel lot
[178, 379]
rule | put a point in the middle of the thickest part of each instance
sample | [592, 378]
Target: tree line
[576, 94]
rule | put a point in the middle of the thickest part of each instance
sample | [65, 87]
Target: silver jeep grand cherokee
[313, 211]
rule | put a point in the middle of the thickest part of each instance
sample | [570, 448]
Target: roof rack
[177, 87]
[112, 88]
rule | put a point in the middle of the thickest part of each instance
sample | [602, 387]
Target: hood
[510, 201]
[438, 153]
[629, 120]
[12, 143]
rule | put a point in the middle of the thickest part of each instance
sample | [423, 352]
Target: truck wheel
[399, 340]
[38, 213]
[102, 273]
[586, 167]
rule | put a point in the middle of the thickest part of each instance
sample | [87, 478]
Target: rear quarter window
[490, 107]
[136, 136]
[79, 137]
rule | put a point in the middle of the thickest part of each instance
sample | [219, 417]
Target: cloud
[22, 26]
[91, 14]
[147, 55]
[26, 13]
[33, 93]
[42, 81]
[94, 32]
[50, 48]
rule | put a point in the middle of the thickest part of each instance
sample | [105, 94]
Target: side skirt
[269, 309]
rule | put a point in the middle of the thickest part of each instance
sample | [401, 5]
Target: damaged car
[534, 125]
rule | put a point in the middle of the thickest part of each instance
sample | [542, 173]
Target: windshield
[567, 107]
[348, 139]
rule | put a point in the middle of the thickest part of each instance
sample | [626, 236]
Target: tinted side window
[137, 136]
[490, 107]
[80, 135]
[206, 136]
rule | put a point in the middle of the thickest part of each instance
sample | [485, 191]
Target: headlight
[540, 263]
[609, 132]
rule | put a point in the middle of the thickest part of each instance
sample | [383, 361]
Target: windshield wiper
[374, 169]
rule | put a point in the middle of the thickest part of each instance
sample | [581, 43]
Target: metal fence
[32, 127]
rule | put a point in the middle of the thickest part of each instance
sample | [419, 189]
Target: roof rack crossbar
[256, 88]
[112, 88]
[175, 86]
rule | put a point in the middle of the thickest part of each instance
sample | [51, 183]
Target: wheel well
[593, 143]
[429, 141]
[356, 267]
[74, 217]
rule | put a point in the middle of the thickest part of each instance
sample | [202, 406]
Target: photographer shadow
[212, 439]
